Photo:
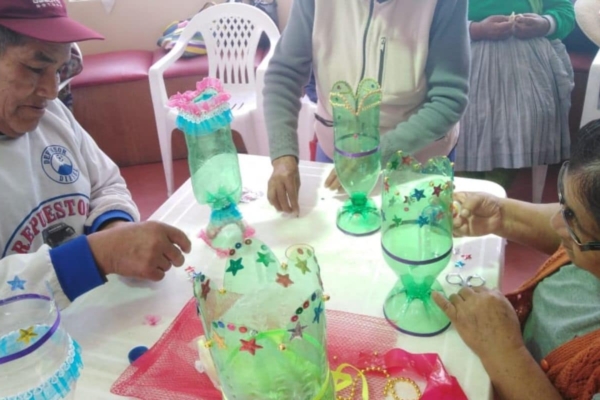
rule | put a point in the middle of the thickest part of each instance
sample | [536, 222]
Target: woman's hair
[10, 38]
[584, 166]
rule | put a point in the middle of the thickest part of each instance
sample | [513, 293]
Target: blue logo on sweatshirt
[57, 163]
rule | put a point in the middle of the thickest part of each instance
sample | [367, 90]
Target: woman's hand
[484, 319]
[496, 27]
[479, 214]
[528, 26]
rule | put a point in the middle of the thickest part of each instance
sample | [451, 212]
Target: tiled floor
[147, 185]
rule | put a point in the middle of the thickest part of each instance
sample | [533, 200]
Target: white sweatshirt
[57, 186]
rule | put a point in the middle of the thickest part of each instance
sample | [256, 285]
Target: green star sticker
[392, 201]
[235, 266]
[264, 258]
[394, 164]
[397, 221]
[301, 265]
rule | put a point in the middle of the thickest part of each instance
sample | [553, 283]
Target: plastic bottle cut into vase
[38, 358]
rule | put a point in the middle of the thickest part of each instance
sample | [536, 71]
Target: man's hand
[480, 214]
[484, 319]
[284, 185]
[496, 27]
[528, 26]
[142, 250]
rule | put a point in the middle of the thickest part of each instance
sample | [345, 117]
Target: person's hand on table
[332, 182]
[284, 185]
[528, 26]
[479, 214]
[141, 250]
[495, 27]
[484, 319]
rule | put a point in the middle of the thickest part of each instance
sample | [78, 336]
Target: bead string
[390, 385]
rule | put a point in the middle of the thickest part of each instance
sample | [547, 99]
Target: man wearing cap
[67, 218]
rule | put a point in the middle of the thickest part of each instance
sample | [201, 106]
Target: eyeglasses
[569, 216]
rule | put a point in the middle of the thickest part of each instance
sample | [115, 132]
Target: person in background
[520, 88]
[418, 52]
[67, 219]
[542, 341]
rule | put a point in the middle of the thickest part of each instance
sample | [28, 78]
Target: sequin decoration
[318, 312]
[284, 280]
[264, 258]
[235, 266]
[250, 346]
[219, 341]
[301, 265]
[418, 194]
[297, 332]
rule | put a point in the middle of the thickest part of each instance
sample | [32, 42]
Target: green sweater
[561, 10]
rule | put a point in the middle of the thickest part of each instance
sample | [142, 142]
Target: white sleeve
[109, 192]
[31, 273]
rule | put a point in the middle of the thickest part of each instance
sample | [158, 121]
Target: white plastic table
[109, 321]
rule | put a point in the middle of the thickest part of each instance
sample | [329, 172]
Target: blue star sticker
[383, 216]
[16, 283]
[318, 312]
[459, 264]
[422, 221]
[235, 266]
[418, 194]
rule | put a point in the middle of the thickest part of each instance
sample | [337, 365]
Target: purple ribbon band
[45, 337]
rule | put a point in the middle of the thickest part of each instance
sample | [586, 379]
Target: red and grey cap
[45, 20]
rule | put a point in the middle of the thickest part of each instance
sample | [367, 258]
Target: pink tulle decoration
[184, 102]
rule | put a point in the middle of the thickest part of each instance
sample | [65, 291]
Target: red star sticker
[205, 289]
[406, 160]
[466, 256]
[250, 346]
[284, 280]
[437, 190]
[386, 186]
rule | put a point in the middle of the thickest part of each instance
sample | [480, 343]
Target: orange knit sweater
[574, 367]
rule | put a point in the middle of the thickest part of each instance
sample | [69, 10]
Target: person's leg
[452, 154]
[321, 156]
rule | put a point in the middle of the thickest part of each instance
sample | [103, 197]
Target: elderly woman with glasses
[543, 341]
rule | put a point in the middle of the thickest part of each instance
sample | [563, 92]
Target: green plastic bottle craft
[416, 239]
[357, 157]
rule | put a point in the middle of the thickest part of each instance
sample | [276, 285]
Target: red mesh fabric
[167, 372]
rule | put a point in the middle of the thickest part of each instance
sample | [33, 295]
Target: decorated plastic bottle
[357, 157]
[205, 117]
[264, 323]
[416, 239]
[38, 359]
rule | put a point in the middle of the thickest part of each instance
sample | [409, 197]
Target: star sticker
[264, 258]
[219, 340]
[459, 264]
[235, 266]
[318, 312]
[397, 221]
[386, 186]
[394, 164]
[406, 160]
[422, 221]
[250, 346]
[26, 335]
[383, 218]
[408, 200]
[418, 194]
[205, 289]
[16, 283]
[301, 265]
[437, 190]
[392, 201]
[466, 256]
[297, 332]
[284, 280]
[439, 216]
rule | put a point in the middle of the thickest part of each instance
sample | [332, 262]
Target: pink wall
[137, 24]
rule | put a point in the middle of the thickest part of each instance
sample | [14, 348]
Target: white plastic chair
[231, 32]
[591, 103]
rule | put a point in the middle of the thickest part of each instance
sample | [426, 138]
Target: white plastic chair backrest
[231, 32]
[61, 85]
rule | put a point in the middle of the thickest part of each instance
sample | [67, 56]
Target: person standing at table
[520, 88]
[417, 50]
[542, 341]
[67, 219]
